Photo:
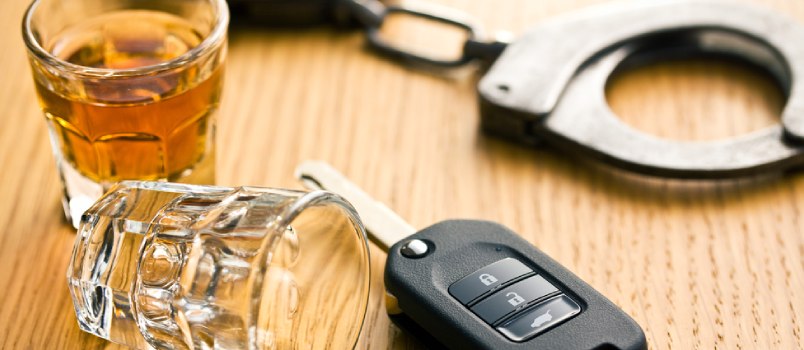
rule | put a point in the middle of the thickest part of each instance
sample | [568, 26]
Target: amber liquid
[153, 127]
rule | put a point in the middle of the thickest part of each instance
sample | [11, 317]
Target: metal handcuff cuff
[548, 86]
[559, 98]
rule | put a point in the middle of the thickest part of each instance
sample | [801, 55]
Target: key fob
[466, 284]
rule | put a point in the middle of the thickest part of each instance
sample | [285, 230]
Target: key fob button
[512, 298]
[541, 318]
[487, 278]
[414, 249]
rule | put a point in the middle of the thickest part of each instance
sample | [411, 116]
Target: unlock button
[486, 279]
[512, 298]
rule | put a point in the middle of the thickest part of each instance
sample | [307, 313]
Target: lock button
[486, 279]
[513, 298]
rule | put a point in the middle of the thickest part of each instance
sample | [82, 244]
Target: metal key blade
[384, 227]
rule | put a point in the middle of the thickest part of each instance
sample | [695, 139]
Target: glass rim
[309, 199]
[211, 42]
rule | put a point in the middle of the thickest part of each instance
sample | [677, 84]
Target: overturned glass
[179, 266]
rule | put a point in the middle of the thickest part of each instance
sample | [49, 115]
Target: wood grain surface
[698, 264]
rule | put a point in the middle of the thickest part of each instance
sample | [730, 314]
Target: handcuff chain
[371, 14]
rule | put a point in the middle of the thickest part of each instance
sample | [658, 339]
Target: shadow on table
[595, 175]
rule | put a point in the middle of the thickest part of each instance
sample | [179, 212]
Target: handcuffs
[553, 90]
[548, 86]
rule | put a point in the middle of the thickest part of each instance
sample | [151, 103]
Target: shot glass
[176, 266]
[130, 90]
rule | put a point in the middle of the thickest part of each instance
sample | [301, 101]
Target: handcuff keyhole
[695, 99]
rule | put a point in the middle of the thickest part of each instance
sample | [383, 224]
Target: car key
[468, 284]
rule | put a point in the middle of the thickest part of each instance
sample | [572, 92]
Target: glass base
[80, 192]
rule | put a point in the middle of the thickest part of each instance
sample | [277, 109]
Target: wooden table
[699, 264]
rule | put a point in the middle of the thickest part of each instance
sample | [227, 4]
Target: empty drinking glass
[168, 265]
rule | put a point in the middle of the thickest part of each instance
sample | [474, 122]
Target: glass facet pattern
[199, 267]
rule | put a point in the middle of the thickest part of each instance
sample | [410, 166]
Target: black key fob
[467, 284]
